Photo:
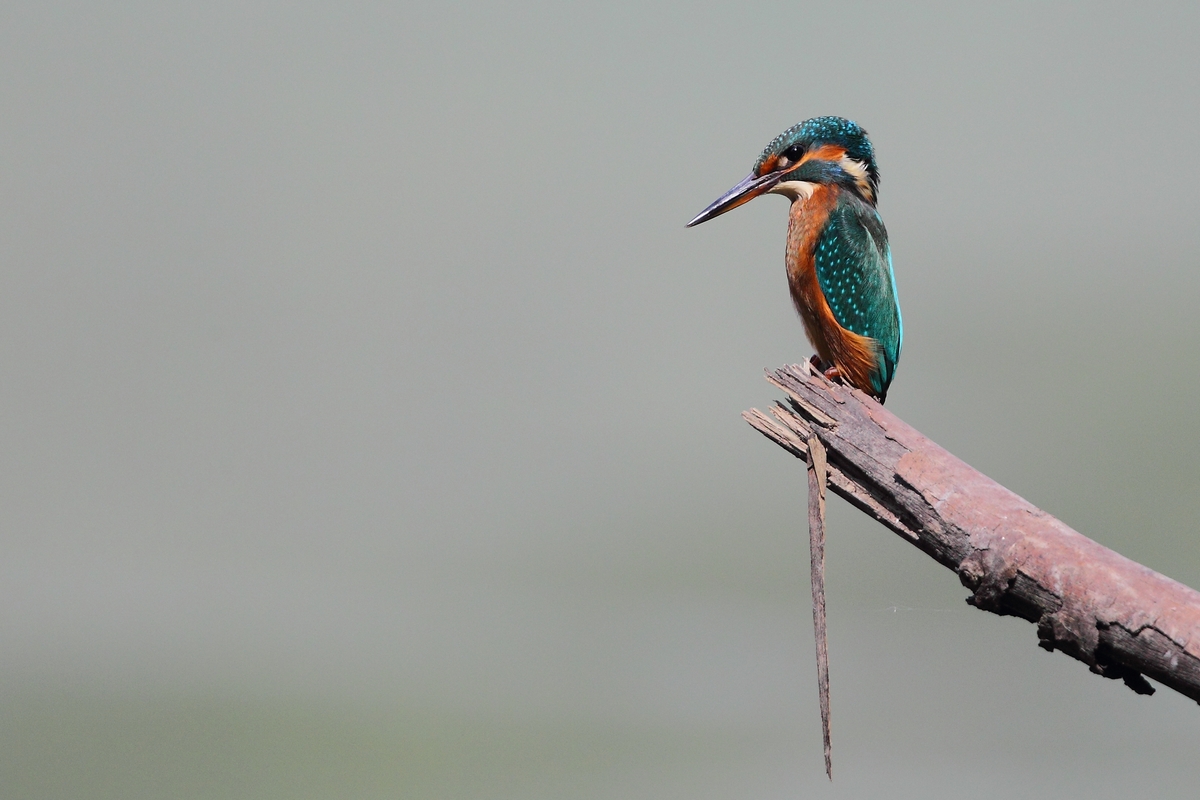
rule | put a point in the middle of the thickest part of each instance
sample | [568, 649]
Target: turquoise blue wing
[854, 268]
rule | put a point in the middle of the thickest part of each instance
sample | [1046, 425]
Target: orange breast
[853, 355]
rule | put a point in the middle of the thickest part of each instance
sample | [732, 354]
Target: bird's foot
[831, 373]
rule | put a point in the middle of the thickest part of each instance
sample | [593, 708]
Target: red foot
[831, 373]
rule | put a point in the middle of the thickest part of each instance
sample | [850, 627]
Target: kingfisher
[839, 265]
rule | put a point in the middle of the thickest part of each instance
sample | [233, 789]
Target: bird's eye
[789, 157]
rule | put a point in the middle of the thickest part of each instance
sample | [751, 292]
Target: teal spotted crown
[818, 131]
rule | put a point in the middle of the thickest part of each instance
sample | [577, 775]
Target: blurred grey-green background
[369, 423]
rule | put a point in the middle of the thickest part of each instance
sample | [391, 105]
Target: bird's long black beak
[747, 189]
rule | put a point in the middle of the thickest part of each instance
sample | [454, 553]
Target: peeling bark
[1120, 618]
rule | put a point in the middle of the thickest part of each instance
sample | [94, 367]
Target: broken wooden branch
[1120, 618]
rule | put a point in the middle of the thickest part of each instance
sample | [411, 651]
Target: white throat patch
[794, 190]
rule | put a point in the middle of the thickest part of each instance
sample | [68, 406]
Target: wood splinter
[817, 477]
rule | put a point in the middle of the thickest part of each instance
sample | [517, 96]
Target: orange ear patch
[826, 152]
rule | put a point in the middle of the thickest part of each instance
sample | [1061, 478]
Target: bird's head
[819, 151]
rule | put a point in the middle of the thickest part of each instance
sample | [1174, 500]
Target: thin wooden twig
[816, 546]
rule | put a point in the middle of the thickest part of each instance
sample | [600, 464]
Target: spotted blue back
[854, 269]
